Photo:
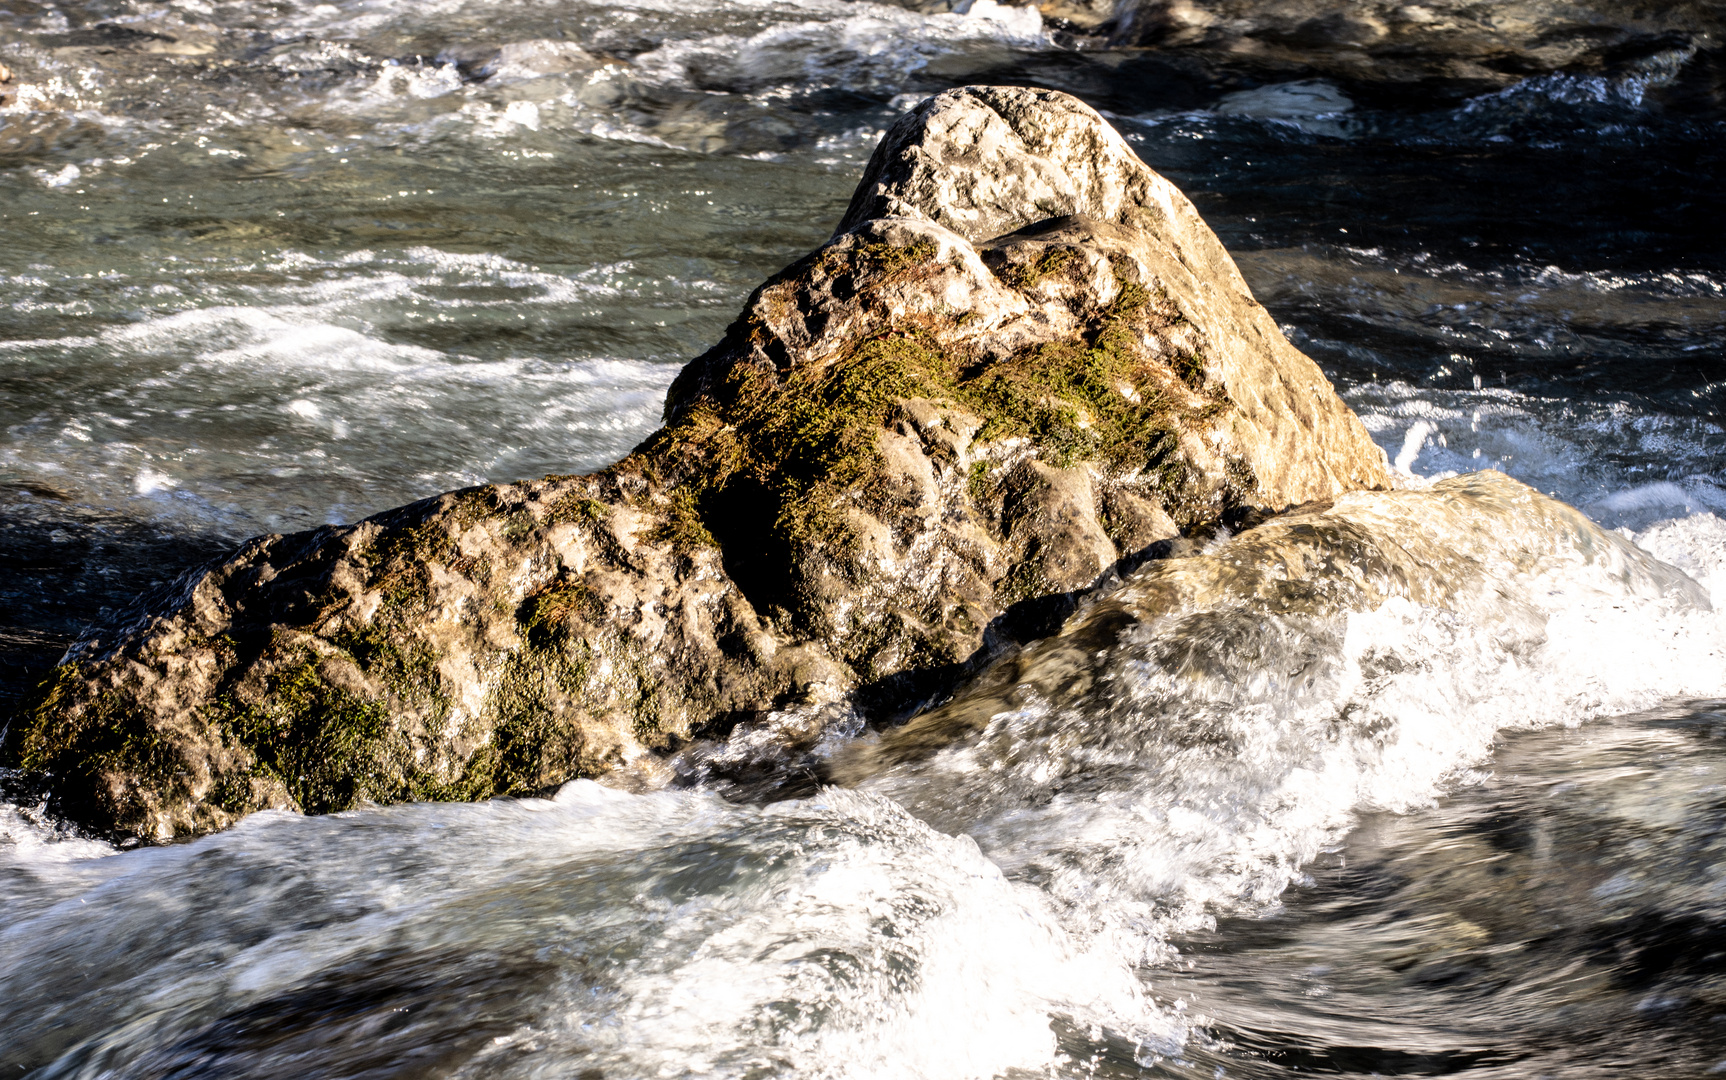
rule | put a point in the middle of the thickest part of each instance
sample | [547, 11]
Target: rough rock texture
[1022, 364]
[1454, 46]
[1423, 52]
[1484, 547]
[996, 160]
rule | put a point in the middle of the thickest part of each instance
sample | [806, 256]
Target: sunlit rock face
[1260, 624]
[1023, 365]
[1443, 45]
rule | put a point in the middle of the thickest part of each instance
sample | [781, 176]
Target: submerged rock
[1259, 621]
[1022, 365]
[1444, 47]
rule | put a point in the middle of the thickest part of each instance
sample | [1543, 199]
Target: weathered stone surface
[1023, 364]
[1483, 547]
[1439, 46]
[992, 160]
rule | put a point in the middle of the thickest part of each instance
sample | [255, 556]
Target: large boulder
[1022, 365]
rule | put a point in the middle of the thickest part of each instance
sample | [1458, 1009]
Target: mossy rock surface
[920, 443]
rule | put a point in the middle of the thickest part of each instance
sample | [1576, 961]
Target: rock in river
[1434, 50]
[1022, 364]
[1258, 622]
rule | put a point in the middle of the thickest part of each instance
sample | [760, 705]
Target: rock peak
[984, 161]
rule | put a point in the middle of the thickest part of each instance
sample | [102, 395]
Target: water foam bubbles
[63, 178]
[833, 937]
[862, 47]
[1696, 544]
[1192, 760]
[331, 386]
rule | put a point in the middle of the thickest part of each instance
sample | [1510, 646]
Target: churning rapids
[265, 265]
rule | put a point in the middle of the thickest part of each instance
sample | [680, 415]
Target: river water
[269, 265]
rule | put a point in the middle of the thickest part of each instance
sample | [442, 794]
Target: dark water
[1560, 918]
[301, 263]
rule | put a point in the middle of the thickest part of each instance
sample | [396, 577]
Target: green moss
[35, 743]
[544, 619]
[334, 749]
[85, 739]
[546, 692]
[770, 457]
[883, 263]
[1025, 581]
[915, 646]
[519, 526]
[399, 555]
[328, 746]
[398, 560]
[576, 508]
[1243, 482]
[531, 745]
[1190, 367]
[473, 505]
[405, 664]
[682, 526]
[1053, 261]
[820, 438]
[1076, 400]
[649, 723]
[977, 482]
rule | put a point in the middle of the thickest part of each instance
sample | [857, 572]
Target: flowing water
[265, 265]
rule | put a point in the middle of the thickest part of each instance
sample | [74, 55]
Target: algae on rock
[918, 444]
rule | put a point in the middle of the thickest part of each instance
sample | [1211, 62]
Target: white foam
[836, 937]
[1311, 105]
[1695, 544]
[1020, 21]
[860, 46]
[1170, 791]
[1666, 497]
[63, 178]
[1412, 444]
[312, 390]
[31, 839]
[1628, 89]
[1552, 444]
[149, 481]
[1309, 99]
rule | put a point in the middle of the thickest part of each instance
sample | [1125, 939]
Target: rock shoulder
[1501, 558]
[1023, 364]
